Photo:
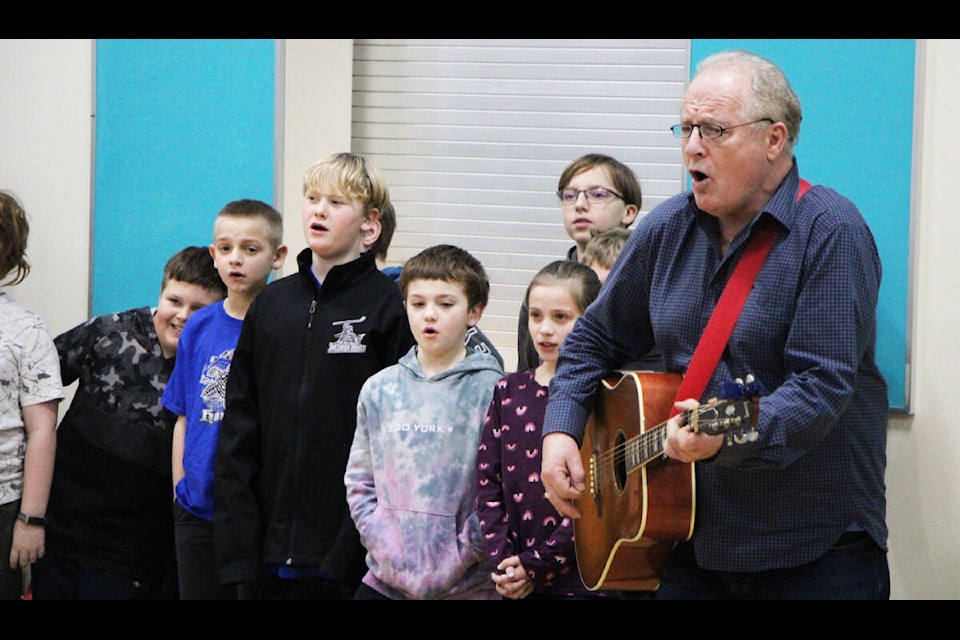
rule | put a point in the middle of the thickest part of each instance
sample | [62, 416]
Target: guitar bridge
[592, 475]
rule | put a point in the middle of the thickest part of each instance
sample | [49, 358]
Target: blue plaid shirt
[807, 332]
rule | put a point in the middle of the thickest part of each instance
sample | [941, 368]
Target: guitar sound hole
[620, 463]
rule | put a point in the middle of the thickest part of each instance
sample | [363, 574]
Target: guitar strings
[642, 441]
[654, 435]
[649, 442]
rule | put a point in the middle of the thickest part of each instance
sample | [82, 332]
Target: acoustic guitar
[638, 503]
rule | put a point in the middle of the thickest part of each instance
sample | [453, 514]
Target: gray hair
[771, 97]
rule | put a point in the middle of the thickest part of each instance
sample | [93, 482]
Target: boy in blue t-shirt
[247, 247]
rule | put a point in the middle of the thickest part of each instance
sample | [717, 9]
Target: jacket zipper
[300, 401]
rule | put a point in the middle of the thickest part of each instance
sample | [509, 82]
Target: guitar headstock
[735, 414]
[740, 390]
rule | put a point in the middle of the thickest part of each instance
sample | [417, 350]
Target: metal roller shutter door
[472, 136]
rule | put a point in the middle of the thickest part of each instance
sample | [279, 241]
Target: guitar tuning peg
[739, 381]
[750, 378]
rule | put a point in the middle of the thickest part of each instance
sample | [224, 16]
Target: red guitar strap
[724, 317]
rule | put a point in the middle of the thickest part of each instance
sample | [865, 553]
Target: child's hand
[512, 580]
[28, 545]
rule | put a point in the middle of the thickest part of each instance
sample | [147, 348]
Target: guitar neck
[717, 416]
[645, 447]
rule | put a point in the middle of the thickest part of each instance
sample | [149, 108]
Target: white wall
[45, 138]
[45, 157]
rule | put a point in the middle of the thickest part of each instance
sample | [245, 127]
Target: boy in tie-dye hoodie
[410, 477]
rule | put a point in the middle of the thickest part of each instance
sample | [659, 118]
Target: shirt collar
[783, 204]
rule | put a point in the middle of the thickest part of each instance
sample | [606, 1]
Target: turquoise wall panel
[182, 128]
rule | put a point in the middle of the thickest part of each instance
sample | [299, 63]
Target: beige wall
[45, 138]
[318, 85]
[923, 474]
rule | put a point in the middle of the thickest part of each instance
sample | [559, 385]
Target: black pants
[855, 568]
[11, 580]
[273, 587]
[71, 579]
[196, 566]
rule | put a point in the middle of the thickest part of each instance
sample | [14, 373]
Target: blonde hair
[603, 248]
[350, 175]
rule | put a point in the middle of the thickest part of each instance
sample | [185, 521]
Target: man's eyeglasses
[595, 195]
[708, 131]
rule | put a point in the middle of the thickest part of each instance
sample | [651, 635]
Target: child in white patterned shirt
[30, 390]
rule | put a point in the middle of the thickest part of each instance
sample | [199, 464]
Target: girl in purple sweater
[529, 545]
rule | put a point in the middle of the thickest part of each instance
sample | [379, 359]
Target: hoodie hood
[474, 362]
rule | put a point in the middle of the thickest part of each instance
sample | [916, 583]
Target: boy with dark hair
[380, 246]
[247, 247]
[109, 522]
[475, 339]
[410, 478]
[309, 341]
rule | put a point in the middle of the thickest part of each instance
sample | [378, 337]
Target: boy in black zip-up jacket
[282, 529]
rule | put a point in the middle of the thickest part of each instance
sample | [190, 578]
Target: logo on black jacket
[348, 340]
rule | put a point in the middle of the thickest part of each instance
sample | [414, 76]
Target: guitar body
[631, 519]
